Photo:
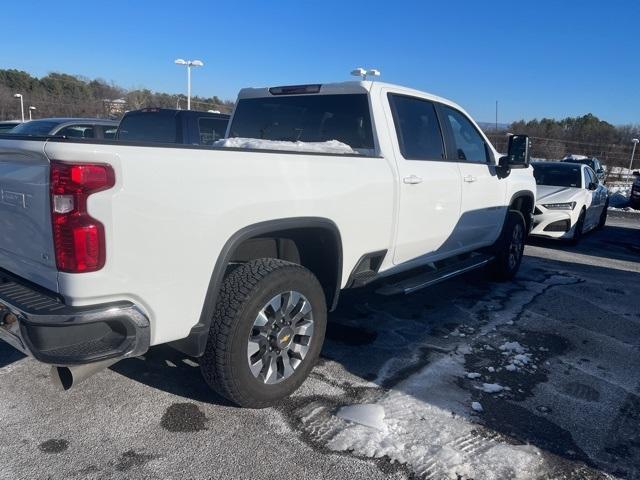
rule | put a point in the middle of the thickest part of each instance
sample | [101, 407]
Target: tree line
[63, 95]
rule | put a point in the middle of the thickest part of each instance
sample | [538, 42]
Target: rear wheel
[509, 248]
[578, 229]
[266, 333]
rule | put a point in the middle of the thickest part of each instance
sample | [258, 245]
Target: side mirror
[637, 173]
[517, 156]
[593, 185]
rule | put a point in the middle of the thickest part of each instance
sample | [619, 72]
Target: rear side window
[469, 144]
[417, 127]
[109, 132]
[157, 127]
[77, 131]
[211, 129]
[306, 118]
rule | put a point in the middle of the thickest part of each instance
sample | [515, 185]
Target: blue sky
[544, 58]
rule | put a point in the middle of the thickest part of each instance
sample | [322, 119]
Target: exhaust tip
[65, 377]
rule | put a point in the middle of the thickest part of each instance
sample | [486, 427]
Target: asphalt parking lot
[539, 378]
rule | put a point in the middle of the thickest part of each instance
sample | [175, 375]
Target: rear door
[483, 202]
[429, 185]
[26, 241]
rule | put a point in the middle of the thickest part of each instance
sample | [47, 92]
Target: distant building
[114, 108]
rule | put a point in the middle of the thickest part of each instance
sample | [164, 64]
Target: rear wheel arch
[313, 242]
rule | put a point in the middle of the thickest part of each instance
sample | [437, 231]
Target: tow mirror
[593, 185]
[517, 155]
[637, 173]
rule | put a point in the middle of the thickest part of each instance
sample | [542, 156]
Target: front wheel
[603, 216]
[266, 333]
[578, 229]
[509, 248]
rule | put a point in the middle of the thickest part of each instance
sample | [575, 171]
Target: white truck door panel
[483, 193]
[429, 203]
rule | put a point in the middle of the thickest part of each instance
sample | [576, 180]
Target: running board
[427, 279]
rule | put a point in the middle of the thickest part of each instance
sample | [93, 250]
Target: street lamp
[189, 64]
[31, 109]
[19, 95]
[633, 152]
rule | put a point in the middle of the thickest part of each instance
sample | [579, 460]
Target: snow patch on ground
[330, 146]
[492, 388]
[429, 428]
[369, 415]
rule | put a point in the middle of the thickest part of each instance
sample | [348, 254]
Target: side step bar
[432, 277]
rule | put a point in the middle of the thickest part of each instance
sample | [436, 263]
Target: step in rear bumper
[39, 324]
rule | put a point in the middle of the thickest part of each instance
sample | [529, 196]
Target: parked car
[8, 125]
[570, 200]
[235, 253]
[634, 198]
[592, 162]
[99, 128]
[172, 126]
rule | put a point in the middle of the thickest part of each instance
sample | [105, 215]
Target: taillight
[78, 238]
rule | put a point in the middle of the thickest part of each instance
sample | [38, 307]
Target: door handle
[412, 179]
[469, 178]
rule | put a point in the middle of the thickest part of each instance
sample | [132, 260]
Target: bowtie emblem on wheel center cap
[285, 337]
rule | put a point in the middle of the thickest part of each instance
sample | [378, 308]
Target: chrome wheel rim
[516, 246]
[280, 337]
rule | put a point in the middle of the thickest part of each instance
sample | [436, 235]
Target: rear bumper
[41, 325]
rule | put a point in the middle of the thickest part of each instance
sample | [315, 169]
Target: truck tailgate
[26, 239]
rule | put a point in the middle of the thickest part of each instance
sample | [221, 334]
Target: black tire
[244, 294]
[509, 248]
[578, 230]
[603, 217]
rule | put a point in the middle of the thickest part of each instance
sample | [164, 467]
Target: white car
[570, 200]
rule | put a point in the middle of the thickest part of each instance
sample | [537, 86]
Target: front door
[483, 204]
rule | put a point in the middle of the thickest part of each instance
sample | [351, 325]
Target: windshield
[306, 118]
[557, 175]
[35, 127]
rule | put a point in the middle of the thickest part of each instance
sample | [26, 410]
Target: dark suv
[163, 125]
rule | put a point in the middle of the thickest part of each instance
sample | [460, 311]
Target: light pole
[189, 64]
[19, 95]
[31, 109]
[633, 152]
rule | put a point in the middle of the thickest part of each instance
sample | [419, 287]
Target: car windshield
[35, 127]
[557, 175]
[582, 161]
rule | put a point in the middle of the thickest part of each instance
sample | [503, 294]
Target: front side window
[469, 144]
[211, 129]
[417, 128]
[306, 118]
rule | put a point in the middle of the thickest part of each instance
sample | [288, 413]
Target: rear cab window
[307, 118]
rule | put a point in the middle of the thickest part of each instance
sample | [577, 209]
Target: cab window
[469, 144]
[417, 128]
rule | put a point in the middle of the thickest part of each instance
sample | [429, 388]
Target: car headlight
[560, 206]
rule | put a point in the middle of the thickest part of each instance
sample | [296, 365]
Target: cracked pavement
[571, 386]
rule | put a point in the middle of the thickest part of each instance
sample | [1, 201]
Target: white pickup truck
[234, 255]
